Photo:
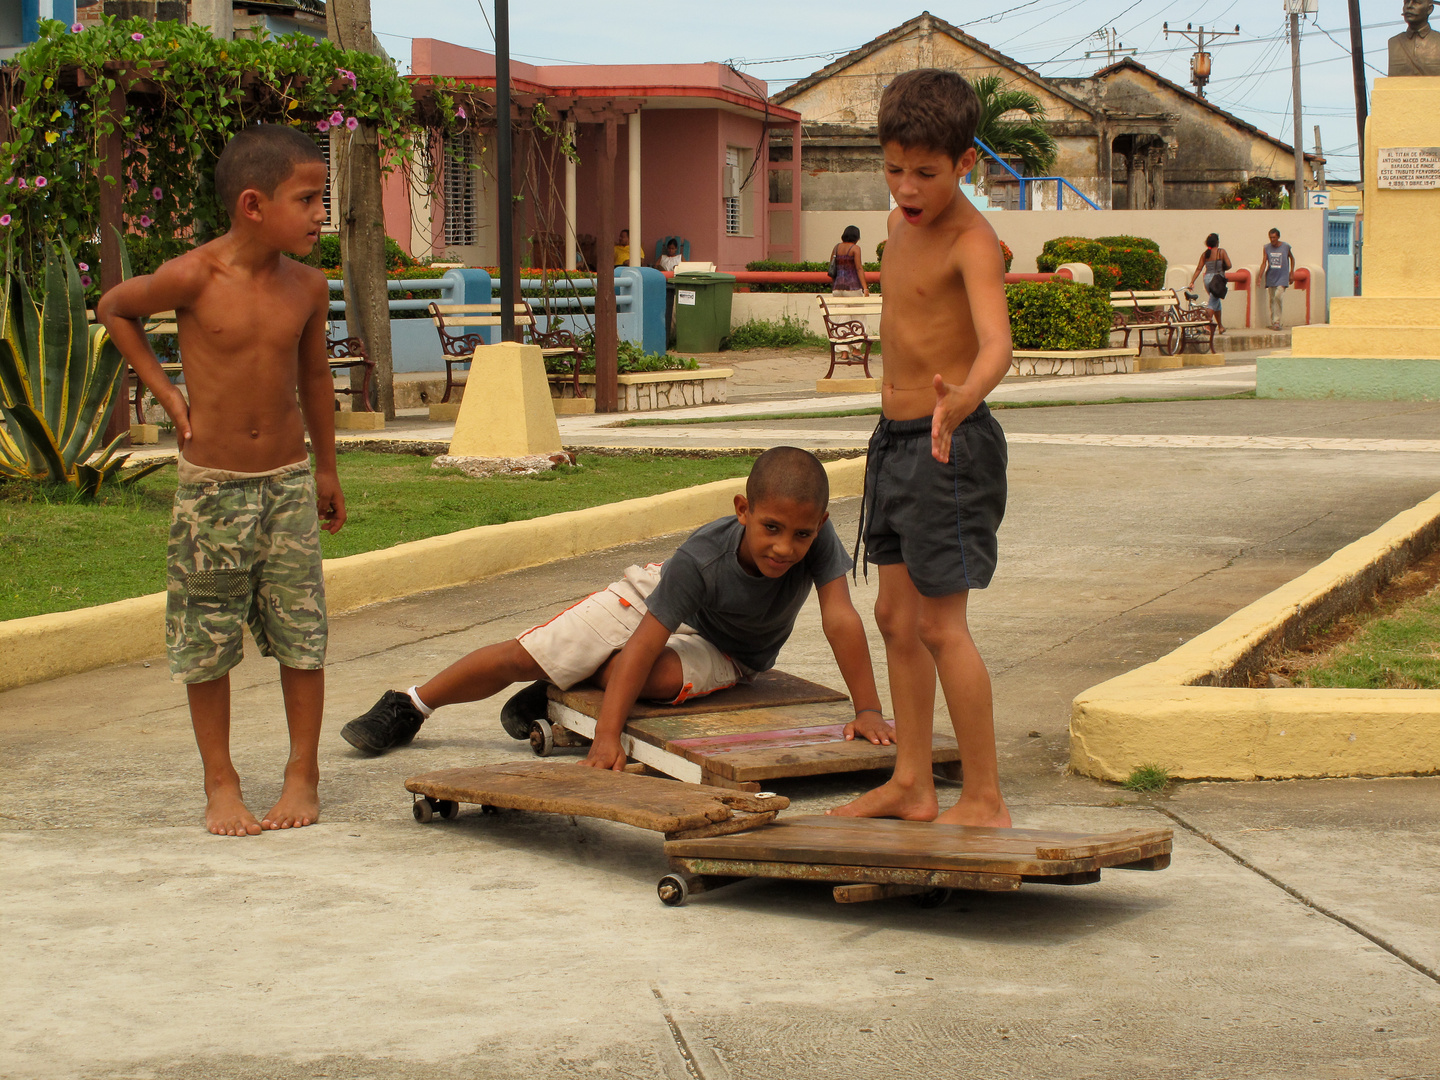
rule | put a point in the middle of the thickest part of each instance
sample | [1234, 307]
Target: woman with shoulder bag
[847, 272]
[1213, 263]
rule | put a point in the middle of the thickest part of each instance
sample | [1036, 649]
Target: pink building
[691, 159]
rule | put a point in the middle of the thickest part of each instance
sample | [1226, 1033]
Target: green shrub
[1136, 264]
[788, 333]
[326, 254]
[794, 267]
[630, 358]
[1058, 315]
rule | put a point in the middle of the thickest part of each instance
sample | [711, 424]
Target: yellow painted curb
[1191, 713]
[48, 646]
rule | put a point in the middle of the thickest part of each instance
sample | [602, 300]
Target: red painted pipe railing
[819, 277]
[1301, 280]
[1241, 279]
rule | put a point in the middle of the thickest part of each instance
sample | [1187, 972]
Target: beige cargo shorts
[576, 643]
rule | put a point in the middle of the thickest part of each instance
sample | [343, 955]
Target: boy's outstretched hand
[605, 755]
[871, 727]
[952, 405]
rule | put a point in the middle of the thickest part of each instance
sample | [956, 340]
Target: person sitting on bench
[715, 613]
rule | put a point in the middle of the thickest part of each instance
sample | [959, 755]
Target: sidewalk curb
[64, 643]
[1193, 713]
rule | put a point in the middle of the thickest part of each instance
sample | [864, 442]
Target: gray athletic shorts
[940, 520]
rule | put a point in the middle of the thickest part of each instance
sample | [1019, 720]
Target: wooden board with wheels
[775, 727]
[871, 859]
[647, 802]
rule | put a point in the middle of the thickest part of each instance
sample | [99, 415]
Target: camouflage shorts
[244, 551]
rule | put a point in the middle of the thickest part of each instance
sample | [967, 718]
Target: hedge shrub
[1058, 315]
[1134, 264]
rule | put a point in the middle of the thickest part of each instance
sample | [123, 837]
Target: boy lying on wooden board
[715, 613]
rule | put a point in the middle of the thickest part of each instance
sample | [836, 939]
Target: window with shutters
[322, 140]
[733, 195]
[461, 195]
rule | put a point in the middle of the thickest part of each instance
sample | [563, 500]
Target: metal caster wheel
[542, 738]
[933, 898]
[448, 809]
[672, 890]
[424, 809]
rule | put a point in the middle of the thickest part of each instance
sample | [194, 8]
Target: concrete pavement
[1292, 937]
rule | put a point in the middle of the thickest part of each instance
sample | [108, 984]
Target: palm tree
[1021, 137]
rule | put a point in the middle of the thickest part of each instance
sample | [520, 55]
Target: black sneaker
[529, 704]
[392, 721]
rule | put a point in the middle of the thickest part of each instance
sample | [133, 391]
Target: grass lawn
[1398, 651]
[57, 554]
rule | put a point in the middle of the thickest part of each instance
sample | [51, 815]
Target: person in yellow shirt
[622, 248]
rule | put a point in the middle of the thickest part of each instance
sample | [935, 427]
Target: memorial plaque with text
[1408, 167]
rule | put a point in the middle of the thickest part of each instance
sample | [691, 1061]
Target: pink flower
[40, 181]
[75, 28]
[85, 280]
[21, 184]
[352, 123]
[145, 221]
[4, 220]
[157, 193]
[137, 37]
[9, 180]
[84, 266]
[460, 112]
[323, 125]
[337, 118]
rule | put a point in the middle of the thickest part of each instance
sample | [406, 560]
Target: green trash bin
[702, 310]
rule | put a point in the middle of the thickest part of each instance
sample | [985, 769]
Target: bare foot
[892, 800]
[226, 814]
[299, 803]
[986, 813]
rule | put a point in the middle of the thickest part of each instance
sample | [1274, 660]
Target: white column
[570, 200]
[636, 243]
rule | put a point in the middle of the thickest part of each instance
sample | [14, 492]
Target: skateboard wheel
[542, 738]
[488, 809]
[672, 890]
[932, 898]
[424, 809]
[449, 809]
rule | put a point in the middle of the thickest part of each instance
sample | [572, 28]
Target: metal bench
[1162, 313]
[846, 328]
[459, 348]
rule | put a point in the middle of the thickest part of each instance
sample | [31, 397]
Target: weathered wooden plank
[861, 894]
[769, 688]
[661, 730]
[554, 788]
[816, 759]
[886, 875]
[819, 840]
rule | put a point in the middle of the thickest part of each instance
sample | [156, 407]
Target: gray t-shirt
[1277, 264]
[746, 616]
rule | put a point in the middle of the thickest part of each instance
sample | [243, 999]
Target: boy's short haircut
[930, 108]
[788, 472]
[261, 157]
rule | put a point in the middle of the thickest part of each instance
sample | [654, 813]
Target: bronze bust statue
[1417, 51]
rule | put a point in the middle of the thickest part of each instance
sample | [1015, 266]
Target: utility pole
[1319, 161]
[505, 192]
[358, 197]
[1112, 46]
[1295, 8]
[1357, 68]
[1200, 62]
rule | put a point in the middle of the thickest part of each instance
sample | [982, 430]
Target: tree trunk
[607, 341]
[358, 200]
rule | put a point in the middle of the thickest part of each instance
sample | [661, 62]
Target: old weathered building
[1126, 137]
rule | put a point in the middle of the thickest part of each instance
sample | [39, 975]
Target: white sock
[425, 710]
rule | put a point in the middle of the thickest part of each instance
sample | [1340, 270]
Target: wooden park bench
[342, 353]
[1163, 314]
[845, 326]
[459, 347]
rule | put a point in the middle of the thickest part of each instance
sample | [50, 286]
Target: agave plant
[60, 380]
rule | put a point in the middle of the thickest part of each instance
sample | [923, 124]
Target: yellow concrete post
[506, 409]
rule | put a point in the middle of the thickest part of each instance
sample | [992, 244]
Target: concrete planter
[649, 390]
[1074, 362]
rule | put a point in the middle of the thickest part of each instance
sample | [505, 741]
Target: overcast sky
[781, 41]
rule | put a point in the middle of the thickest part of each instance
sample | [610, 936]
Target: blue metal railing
[1025, 181]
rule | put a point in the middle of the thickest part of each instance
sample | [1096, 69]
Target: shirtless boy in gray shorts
[715, 613]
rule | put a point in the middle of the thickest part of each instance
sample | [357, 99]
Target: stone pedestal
[1386, 343]
[507, 412]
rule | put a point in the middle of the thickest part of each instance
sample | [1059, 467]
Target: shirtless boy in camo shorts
[245, 535]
